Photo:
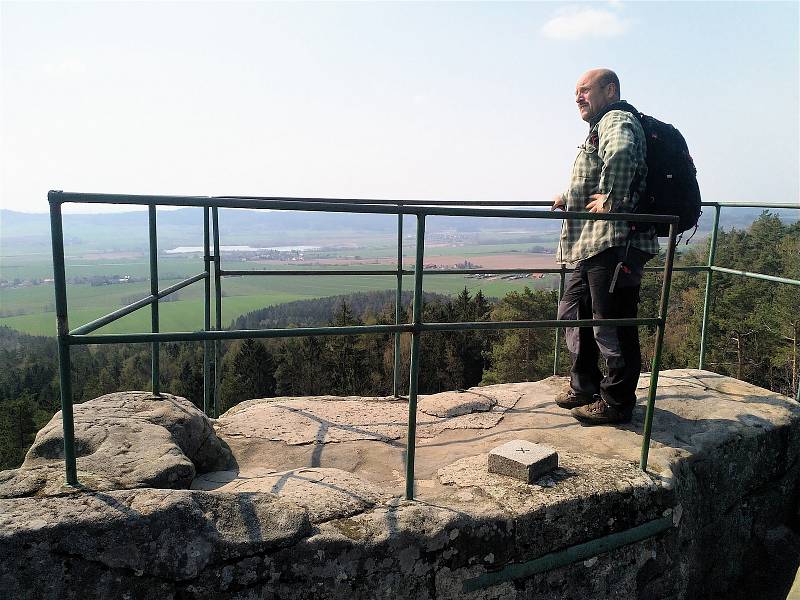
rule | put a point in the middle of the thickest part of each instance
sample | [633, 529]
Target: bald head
[595, 90]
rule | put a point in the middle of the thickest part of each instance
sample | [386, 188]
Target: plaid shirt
[606, 163]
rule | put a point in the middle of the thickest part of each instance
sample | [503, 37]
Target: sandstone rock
[17, 483]
[454, 404]
[319, 419]
[324, 493]
[561, 508]
[326, 419]
[143, 536]
[724, 474]
[123, 440]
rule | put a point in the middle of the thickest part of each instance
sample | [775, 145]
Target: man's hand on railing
[598, 204]
[558, 203]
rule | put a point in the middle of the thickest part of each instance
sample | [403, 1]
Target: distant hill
[183, 227]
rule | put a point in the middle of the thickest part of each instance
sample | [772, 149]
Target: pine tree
[300, 370]
[522, 354]
[18, 427]
[249, 373]
[345, 357]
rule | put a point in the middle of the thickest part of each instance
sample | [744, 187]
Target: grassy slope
[241, 296]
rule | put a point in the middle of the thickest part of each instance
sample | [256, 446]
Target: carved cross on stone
[523, 450]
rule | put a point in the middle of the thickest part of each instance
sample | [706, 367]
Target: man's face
[592, 97]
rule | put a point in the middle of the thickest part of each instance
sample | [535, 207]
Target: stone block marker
[523, 460]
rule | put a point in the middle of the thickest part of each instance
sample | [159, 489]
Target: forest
[754, 335]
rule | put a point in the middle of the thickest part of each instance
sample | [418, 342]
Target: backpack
[671, 187]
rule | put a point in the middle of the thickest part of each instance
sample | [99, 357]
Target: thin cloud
[66, 67]
[419, 99]
[580, 23]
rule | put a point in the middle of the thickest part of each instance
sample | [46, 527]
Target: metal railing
[418, 209]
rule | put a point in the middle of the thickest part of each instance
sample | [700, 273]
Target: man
[608, 175]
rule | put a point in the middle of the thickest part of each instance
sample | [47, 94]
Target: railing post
[659, 342]
[712, 250]
[398, 302]
[411, 440]
[154, 347]
[218, 307]
[64, 365]
[207, 315]
[557, 351]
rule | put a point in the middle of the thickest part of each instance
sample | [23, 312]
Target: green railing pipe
[274, 203]
[712, 252]
[301, 205]
[217, 305]
[411, 438]
[126, 310]
[241, 334]
[659, 343]
[281, 204]
[752, 204]
[756, 275]
[417, 202]
[207, 391]
[336, 204]
[154, 352]
[293, 272]
[491, 325]
[233, 334]
[62, 324]
[503, 271]
[380, 201]
[398, 306]
[570, 555]
[111, 317]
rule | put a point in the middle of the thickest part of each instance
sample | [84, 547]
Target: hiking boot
[601, 412]
[573, 399]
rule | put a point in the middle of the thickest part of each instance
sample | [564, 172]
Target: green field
[33, 307]
[30, 266]
[390, 250]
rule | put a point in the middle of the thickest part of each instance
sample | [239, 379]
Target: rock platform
[296, 498]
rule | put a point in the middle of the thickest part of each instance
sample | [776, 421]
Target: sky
[440, 100]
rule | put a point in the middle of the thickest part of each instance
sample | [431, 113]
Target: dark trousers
[587, 296]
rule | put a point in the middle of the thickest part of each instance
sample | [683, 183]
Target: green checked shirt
[613, 153]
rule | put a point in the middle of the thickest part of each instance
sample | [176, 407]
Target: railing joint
[54, 197]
